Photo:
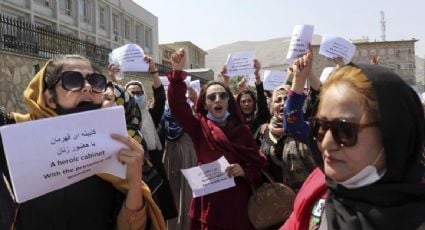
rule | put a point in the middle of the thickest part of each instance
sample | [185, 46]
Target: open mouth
[218, 108]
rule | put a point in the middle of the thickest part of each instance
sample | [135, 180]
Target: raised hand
[178, 59]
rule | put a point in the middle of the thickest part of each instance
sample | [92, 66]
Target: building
[108, 23]
[195, 57]
[398, 56]
[194, 63]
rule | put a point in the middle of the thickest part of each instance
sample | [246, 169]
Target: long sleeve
[294, 118]
[263, 114]
[179, 107]
[159, 104]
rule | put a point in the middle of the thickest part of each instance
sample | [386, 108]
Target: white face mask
[366, 176]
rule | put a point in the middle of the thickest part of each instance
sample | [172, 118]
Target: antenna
[382, 25]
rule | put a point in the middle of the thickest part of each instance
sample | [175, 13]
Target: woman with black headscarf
[367, 134]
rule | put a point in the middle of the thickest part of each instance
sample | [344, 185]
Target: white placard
[240, 64]
[273, 79]
[62, 150]
[165, 83]
[251, 78]
[209, 178]
[130, 58]
[300, 41]
[196, 85]
[326, 73]
[334, 47]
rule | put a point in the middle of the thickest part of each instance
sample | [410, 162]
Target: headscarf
[147, 126]
[34, 99]
[217, 138]
[171, 126]
[396, 201]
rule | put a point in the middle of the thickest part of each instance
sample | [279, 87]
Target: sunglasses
[74, 81]
[222, 95]
[343, 132]
[138, 93]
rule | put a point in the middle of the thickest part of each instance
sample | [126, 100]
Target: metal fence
[24, 38]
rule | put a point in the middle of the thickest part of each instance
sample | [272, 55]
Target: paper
[196, 85]
[52, 153]
[273, 79]
[130, 58]
[334, 47]
[300, 41]
[251, 78]
[326, 73]
[165, 83]
[209, 178]
[240, 64]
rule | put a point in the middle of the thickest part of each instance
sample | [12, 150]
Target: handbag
[270, 204]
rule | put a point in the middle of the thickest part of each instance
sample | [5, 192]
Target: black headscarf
[396, 201]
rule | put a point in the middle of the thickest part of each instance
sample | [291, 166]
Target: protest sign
[334, 47]
[62, 150]
[300, 41]
[240, 64]
[209, 178]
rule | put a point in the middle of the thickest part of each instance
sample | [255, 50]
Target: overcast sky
[211, 23]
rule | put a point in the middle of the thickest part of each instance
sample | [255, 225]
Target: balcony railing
[24, 38]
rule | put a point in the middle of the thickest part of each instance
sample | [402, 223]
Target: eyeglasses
[222, 95]
[138, 93]
[74, 81]
[343, 132]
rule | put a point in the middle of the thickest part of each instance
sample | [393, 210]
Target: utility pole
[383, 26]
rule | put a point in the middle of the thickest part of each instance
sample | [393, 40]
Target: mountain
[270, 52]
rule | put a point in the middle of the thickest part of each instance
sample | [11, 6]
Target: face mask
[140, 99]
[218, 120]
[366, 176]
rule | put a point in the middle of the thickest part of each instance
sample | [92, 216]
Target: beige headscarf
[34, 99]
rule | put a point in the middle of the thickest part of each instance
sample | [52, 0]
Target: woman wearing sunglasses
[70, 84]
[367, 134]
[217, 129]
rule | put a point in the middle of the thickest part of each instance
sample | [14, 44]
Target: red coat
[310, 193]
[226, 209]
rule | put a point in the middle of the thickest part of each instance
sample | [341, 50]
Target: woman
[368, 135]
[217, 129]
[254, 108]
[290, 161]
[70, 84]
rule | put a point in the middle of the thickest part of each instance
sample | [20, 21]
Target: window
[127, 29]
[46, 3]
[148, 39]
[406, 66]
[85, 8]
[65, 7]
[115, 21]
[140, 33]
[391, 51]
[381, 52]
[363, 53]
[166, 54]
[102, 17]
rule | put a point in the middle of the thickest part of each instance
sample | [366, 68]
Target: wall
[16, 71]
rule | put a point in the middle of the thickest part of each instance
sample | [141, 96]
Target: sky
[212, 23]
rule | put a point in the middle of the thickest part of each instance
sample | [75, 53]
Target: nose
[87, 87]
[328, 141]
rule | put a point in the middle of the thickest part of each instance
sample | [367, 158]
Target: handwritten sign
[60, 151]
[209, 178]
[273, 79]
[334, 47]
[130, 58]
[327, 71]
[300, 40]
[240, 64]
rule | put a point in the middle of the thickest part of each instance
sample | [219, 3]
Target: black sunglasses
[74, 81]
[222, 95]
[343, 132]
